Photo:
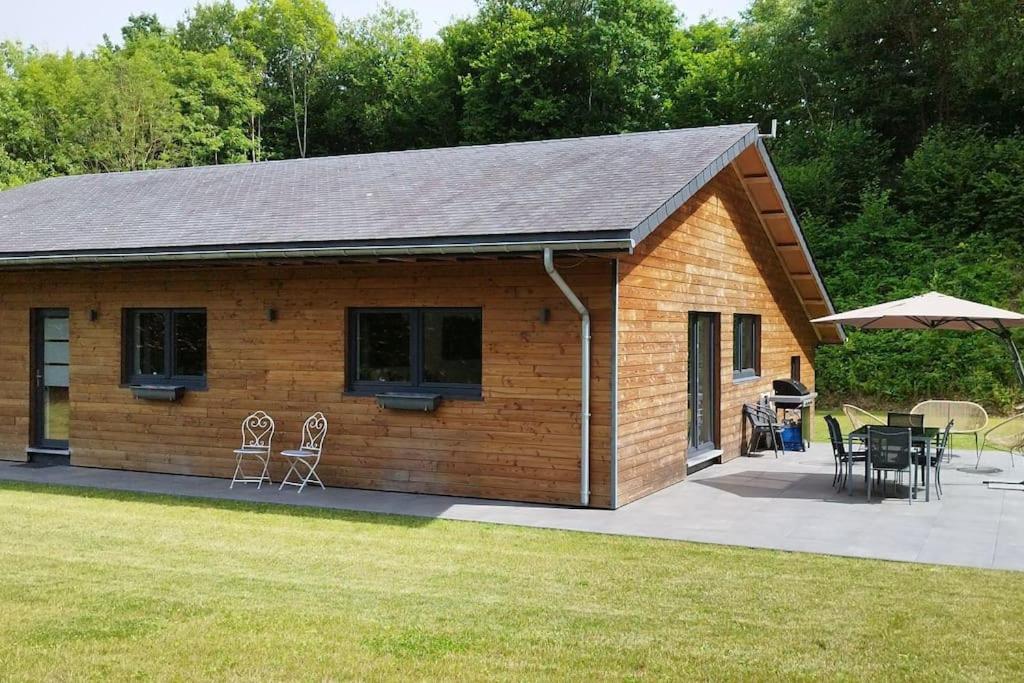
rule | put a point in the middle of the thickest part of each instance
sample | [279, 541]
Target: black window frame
[170, 377]
[739, 372]
[416, 343]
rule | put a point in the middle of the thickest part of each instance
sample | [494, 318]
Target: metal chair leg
[288, 474]
[266, 473]
[238, 470]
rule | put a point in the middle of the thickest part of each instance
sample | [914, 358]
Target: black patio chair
[764, 423]
[937, 457]
[911, 420]
[889, 450]
[835, 435]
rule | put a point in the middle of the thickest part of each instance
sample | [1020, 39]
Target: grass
[112, 585]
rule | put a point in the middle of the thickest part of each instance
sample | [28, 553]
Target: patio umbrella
[934, 311]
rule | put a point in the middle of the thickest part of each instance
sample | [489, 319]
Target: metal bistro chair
[889, 450]
[906, 420]
[763, 422]
[835, 434]
[257, 436]
[936, 459]
[307, 456]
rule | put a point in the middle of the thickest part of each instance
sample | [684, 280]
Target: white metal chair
[307, 456]
[257, 435]
[968, 418]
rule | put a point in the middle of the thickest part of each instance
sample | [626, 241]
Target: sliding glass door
[703, 366]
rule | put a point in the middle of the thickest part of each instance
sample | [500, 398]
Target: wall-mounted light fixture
[271, 314]
[545, 315]
[94, 315]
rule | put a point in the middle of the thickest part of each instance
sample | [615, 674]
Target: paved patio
[786, 504]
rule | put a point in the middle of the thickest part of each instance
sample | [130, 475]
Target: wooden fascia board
[798, 231]
[800, 246]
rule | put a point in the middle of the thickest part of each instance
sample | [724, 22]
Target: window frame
[358, 387]
[169, 378]
[738, 372]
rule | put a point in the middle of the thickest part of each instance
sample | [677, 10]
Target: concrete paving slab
[786, 504]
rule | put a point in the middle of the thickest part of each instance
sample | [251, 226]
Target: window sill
[187, 385]
[396, 400]
[744, 379]
[158, 392]
[373, 393]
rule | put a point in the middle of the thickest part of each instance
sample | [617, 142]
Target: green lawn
[103, 585]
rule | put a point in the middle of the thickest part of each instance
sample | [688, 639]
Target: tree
[207, 27]
[553, 68]
[386, 87]
[297, 38]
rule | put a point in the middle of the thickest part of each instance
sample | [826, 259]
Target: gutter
[549, 266]
[614, 483]
[510, 247]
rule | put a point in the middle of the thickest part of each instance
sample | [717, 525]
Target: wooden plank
[520, 442]
[712, 255]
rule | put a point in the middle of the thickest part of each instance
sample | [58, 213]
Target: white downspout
[549, 266]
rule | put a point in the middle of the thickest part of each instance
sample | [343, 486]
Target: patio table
[918, 437]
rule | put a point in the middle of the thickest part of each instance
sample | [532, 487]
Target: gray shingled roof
[584, 187]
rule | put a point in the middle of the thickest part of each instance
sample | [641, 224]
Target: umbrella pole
[1018, 364]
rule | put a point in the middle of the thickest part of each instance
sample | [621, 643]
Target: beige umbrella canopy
[934, 311]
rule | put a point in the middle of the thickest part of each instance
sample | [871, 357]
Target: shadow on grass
[185, 501]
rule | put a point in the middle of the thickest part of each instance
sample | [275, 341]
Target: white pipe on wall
[549, 266]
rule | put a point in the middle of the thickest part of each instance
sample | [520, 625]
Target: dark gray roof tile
[582, 185]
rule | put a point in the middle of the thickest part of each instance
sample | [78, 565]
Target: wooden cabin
[572, 321]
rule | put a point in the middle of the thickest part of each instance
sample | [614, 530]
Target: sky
[79, 25]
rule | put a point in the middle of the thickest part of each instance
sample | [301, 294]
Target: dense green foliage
[900, 138]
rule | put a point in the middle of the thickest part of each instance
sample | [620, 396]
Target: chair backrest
[258, 431]
[760, 416]
[968, 416]
[1008, 435]
[859, 417]
[940, 447]
[314, 431]
[915, 421]
[755, 415]
[889, 447]
[835, 435]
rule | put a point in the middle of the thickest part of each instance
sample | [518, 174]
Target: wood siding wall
[521, 442]
[711, 255]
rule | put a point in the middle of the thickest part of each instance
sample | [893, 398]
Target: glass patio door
[50, 378]
[702, 368]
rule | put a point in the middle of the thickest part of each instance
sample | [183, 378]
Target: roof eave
[616, 242]
[798, 231]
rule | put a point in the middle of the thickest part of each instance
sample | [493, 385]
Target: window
[439, 350]
[165, 346]
[746, 346]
